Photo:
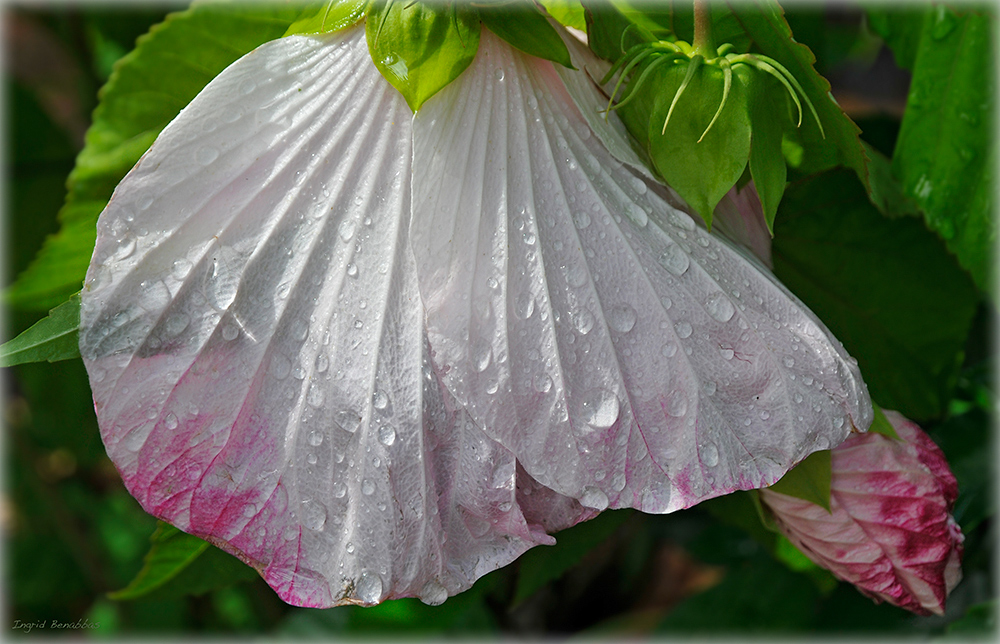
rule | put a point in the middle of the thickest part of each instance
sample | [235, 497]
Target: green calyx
[662, 53]
[707, 117]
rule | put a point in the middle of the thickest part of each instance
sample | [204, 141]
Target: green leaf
[767, 163]
[520, 23]
[759, 595]
[809, 480]
[884, 189]
[612, 29]
[172, 551]
[541, 565]
[900, 27]
[328, 17]
[51, 339]
[701, 172]
[881, 424]
[566, 12]
[421, 47]
[887, 288]
[944, 152]
[169, 66]
[764, 22]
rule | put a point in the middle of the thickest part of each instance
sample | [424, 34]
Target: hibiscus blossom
[377, 354]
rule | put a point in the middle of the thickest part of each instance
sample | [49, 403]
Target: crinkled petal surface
[890, 531]
[626, 357]
[254, 337]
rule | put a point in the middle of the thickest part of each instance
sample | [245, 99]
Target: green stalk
[703, 43]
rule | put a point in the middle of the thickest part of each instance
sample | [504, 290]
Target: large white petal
[254, 338]
[627, 357]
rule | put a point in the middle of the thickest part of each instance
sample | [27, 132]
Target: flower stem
[703, 43]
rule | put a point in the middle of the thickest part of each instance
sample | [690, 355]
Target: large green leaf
[522, 24]
[838, 144]
[944, 154]
[421, 47]
[887, 288]
[172, 551]
[51, 339]
[148, 88]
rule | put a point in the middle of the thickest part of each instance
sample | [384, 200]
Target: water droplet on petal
[719, 307]
[581, 219]
[379, 399]
[677, 406]
[367, 487]
[599, 408]
[206, 155]
[482, 353]
[315, 438]
[542, 383]
[710, 455]
[498, 74]
[789, 361]
[433, 594]
[594, 498]
[170, 421]
[524, 305]
[346, 230]
[583, 320]
[669, 350]
[683, 330]
[369, 588]
[313, 515]
[622, 318]
[386, 435]
[675, 260]
[347, 420]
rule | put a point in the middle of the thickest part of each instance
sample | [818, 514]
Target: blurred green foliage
[74, 535]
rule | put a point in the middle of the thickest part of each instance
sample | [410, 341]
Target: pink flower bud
[889, 530]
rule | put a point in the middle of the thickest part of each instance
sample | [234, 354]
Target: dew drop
[280, 367]
[349, 548]
[683, 330]
[542, 383]
[379, 399]
[482, 354]
[290, 533]
[581, 219]
[346, 230]
[622, 318]
[315, 438]
[594, 498]
[313, 515]
[498, 74]
[170, 421]
[311, 459]
[678, 405]
[618, 482]
[669, 350]
[369, 588]
[367, 487]
[727, 353]
[710, 455]
[599, 408]
[492, 386]
[789, 361]
[524, 305]
[583, 321]
[386, 435]
[322, 363]
[433, 594]
[675, 260]
[719, 307]
[347, 420]
[493, 283]
[710, 388]
[339, 490]
[352, 270]
[206, 155]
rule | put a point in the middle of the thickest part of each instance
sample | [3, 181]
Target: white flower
[378, 355]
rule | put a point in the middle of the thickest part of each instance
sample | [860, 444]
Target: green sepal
[809, 480]
[767, 163]
[701, 172]
[881, 424]
[420, 48]
[522, 25]
[51, 339]
[328, 17]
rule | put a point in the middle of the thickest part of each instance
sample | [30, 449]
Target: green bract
[709, 116]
